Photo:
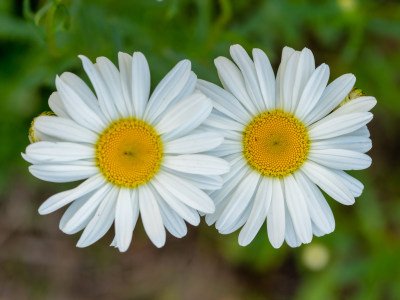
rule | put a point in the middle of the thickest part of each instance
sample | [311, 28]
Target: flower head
[137, 153]
[284, 139]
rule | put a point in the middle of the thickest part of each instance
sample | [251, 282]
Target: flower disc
[275, 143]
[129, 153]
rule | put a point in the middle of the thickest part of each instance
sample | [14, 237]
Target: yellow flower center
[275, 143]
[129, 153]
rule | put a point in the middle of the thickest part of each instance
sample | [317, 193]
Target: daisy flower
[284, 138]
[137, 154]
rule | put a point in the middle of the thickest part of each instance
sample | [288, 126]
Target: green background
[39, 39]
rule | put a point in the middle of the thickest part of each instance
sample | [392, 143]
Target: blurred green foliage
[39, 39]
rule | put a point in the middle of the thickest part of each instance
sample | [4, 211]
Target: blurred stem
[220, 23]
[357, 25]
[50, 30]
[47, 13]
[203, 20]
[26, 10]
[38, 16]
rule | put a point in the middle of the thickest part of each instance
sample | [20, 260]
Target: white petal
[101, 221]
[140, 83]
[224, 102]
[57, 106]
[349, 142]
[240, 221]
[44, 137]
[290, 233]
[238, 201]
[233, 81]
[361, 104]
[103, 93]
[65, 130]
[226, 133]
[83, 91]
[312, 91]
[112, 79]
[329, 182]
[208, 182]
[194, 143]
[304, 70]
[72, 209]
[258, 215]
[228, 147]
[172, 221]
[190, 127]
[167, 90]
[126, 215]
[218, 120]
[185, 212]
[77, 108]
[239, 171]
[334, 93]
[248, 71]
[50, 152]
[325, 129]
[288, 80]
[125, 73]
[340, 159]
[276, 215]
[354, 185]
[234, 160]
[212, 218]
[196, 164]
[203, 182]
[316, 231]
[298, 70]
[320, 212]
[297, 207]
[114, 243]
[189, 110]
[57, 201]
[61, 199]
[80, 216]
[189, 87]
[29, 159]
[63, 173]
[185, 192]
[286, 54]
[266, 78]
[363, 131]
[187, 90]
[151, 216]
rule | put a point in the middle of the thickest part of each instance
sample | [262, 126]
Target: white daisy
[283, 138]
[138, 153]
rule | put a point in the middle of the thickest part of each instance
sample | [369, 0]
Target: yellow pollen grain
[275, 143]
[129, 153]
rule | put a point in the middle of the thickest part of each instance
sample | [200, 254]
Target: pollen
[275, 143]
[129, 153]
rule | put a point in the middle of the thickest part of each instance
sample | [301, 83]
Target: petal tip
[83, 57]
[122, 249]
